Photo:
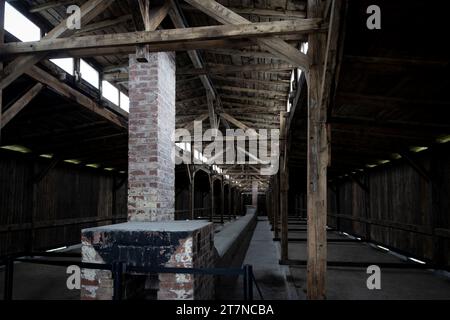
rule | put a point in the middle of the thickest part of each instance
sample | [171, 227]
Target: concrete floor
[39, 282]
[350, 283]
[276, 282]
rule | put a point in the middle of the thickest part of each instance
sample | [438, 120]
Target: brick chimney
[151, 237]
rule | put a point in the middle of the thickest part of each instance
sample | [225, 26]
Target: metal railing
[118, 269]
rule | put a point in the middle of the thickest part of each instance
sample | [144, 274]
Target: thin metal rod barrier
[118, 269]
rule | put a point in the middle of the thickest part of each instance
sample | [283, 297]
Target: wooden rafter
[21, 103]
[272, 44]
[17, 67]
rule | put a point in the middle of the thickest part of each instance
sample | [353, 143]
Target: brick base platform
[186, 244]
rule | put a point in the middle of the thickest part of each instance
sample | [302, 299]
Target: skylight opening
[383, 248]
[16, 148]
[89, 74]
[72, 161]
[110, 92]
[124, 102]
[443, 139]
[417, 260]
[304, 47]
[64, 63]
[418, 149]
[20, 26]
[56, 249]
[93, 165]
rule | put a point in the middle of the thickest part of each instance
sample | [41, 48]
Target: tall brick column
[150, 238]
[151, 170]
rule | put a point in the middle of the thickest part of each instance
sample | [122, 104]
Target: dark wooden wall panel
[402, 208]
[51, 212]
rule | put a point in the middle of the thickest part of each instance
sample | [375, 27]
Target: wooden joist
[18, 66]
[272, 93]
[284, 14]
[157, 39]
[268, 83]
[104, 24]
[243, 53]
[272, 44]
[227, 69]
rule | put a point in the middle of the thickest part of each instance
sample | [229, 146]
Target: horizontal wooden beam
[227, 69]
[156, 39]
[244, 53]
[176, 46]
[257, 91]
[283, 14]
[89, 10]
[270, 83]
[103, 24]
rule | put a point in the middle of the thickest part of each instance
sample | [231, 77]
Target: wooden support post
[229, 202]
[2, 34]
[211, 189]
[276, 206]
[317, 162]
[222, 202]
[192, 195]
[435, 185]
[284, 187]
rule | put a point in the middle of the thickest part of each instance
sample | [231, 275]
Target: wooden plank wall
[52, 212]
[401, 208]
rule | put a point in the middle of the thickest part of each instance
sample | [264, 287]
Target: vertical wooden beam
[2, 35]
[229, 201]
[317, 162]
[192, 193]
[284, 187]
[211, 190]
[276, 206]
[222, 201]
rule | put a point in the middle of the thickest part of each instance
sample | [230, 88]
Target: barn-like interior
[109, 109]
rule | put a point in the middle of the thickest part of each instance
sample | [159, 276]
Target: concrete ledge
[228, 242]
